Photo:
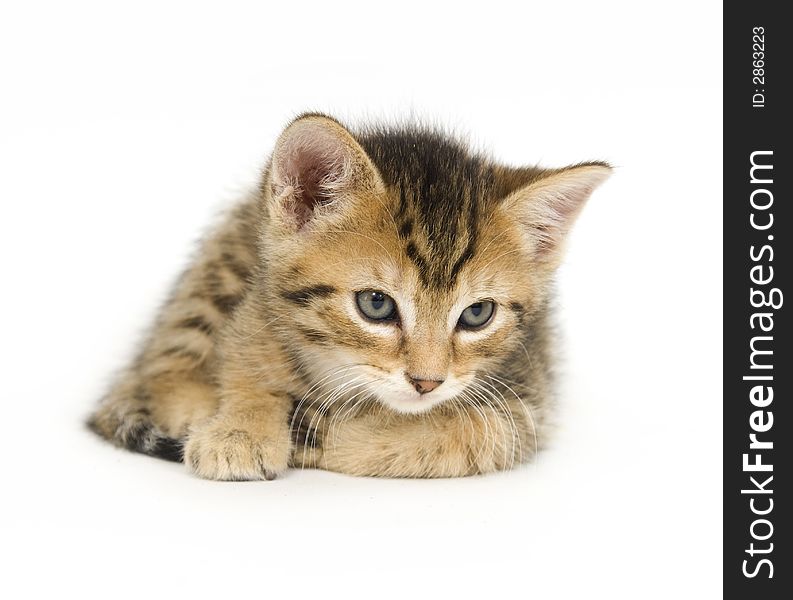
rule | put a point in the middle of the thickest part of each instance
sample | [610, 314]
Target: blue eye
[477, 315]
[376, 306]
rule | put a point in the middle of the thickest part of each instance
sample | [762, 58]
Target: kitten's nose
[423, 385]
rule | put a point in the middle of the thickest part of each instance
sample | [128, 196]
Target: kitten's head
[403, 266]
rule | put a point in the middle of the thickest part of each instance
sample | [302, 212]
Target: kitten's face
[396, 334]
[409, 292]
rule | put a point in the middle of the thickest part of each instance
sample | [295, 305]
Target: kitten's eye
[376, 305]
[477, 315]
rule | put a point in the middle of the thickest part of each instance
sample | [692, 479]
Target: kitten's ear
[317, 168]
[547, 207]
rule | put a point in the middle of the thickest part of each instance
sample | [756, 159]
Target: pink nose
[424, 385]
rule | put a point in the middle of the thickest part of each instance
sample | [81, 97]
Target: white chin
[411, 404]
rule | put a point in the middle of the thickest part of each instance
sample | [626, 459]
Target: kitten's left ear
[317, 169]
[547, 207]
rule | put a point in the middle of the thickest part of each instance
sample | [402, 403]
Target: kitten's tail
[129, 425]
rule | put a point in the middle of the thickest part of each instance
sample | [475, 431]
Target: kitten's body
[259, 360]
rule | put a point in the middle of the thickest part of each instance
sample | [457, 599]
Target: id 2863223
[758, 67]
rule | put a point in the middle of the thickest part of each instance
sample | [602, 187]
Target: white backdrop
[123, 130]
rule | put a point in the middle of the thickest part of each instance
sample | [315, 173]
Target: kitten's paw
[218, 451]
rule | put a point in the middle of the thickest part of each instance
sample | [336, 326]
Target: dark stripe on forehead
[421, 263]
[443, 190]
[403, 203]
[442, 266]
[467, 255]
[470, 248]
[304, 296]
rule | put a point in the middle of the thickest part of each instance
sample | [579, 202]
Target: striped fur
[260, 360]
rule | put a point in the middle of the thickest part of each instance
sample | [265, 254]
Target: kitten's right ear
[316, 170]
[547, 207]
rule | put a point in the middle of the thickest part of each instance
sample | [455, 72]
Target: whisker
[489, 436]
[336, 421]
[321, 412]
[258, 331]
[527, 410]
[465, 418]
[504, 417]
[336, 375]
[528, 356]
[508, 252]
[504, 405]
[333, 373]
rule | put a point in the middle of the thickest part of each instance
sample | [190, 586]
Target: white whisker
[527, 411]
[504, 405]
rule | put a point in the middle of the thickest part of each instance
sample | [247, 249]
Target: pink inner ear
[313, 164]
[556, 215]
[309, 192]
[557, 201]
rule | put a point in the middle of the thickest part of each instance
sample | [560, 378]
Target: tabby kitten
[379, 306]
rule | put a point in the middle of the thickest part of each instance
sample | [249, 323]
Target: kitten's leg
[153, 403]
[451, 442]
[248, 438]
[152, 416]
[172, 383]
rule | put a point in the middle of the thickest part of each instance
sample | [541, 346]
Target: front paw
[229, 452]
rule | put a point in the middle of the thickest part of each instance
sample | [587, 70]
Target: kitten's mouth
[412, 402]
[402, 395]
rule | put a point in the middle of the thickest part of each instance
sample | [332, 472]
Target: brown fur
[259, 361]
